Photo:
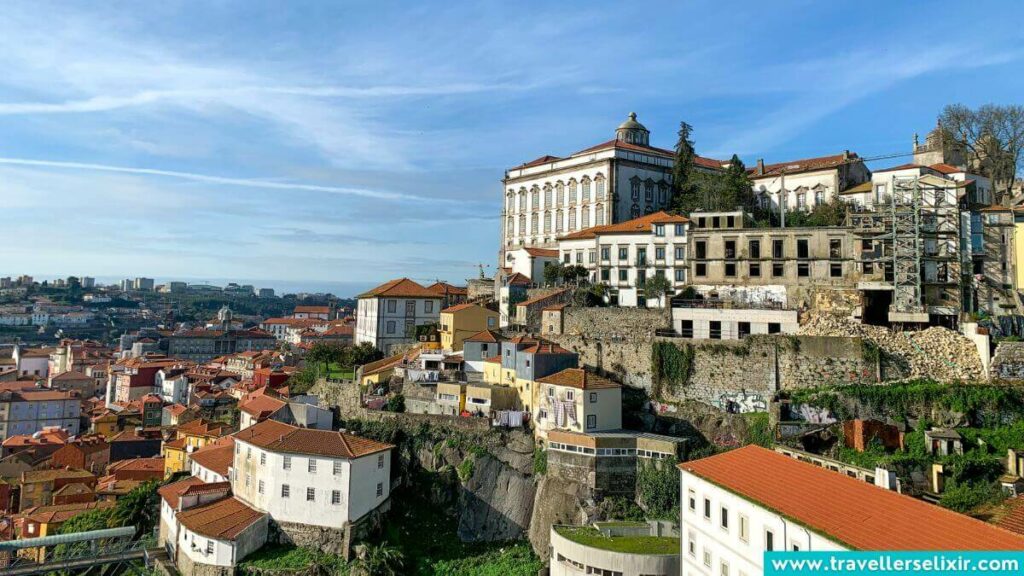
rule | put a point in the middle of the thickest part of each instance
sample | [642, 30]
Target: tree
[395, 403]
[552, 273]
[363, 353]
[379, 560]
[140, 508]
[320, 353]
[684, 193]
[574, 273]
[738, 191]
[993, 137]
[657, 287]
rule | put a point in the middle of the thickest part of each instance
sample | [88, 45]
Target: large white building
[31, 410]
[623, 256]
[739, 504]
[311, 477]
[389, 313]
[804, 184]
[611, 182]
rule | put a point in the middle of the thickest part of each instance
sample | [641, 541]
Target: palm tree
[379, 560]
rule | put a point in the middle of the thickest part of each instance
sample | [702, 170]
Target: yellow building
[380, 371]
[492, 370]
[462, 321]
[105, 425]
[1018, 248]
[189, 437]
[451, 398]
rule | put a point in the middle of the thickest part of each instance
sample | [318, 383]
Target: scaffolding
[905, 217]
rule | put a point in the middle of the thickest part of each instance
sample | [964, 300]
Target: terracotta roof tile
[262, 406]
[216, 457]
[541, 252]
[853, 513]
[579, 378]
[541, 298]
[946, 169]
[1014, 518]
[485, 336]
[804, 165]
[63, 512]
[400, 288]
[639, 225]
[278, 437]
[443, 288]
[171, 493]
[383, 364]
[223, 519]
[460, 307]
[518, 279]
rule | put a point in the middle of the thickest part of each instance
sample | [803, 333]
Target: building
[808, 183]
[84, 384]
[38, 486]
[32, 361]
[525, 360]
[725, 320]
[133, 378]
[87, 452]
[462, 321]
[450, 295]
[733, 512]
[301, 476]
[142, 284]
[40, 521]
[212, 463]
[317, 312]
[269, 406]
[188, 438]
[624, 255]
[205, 530]
[513, 288]
[25, 412]
[615, 181]
[388, 314]
[378, 372]
[620, 548]
[531, 262]
[608, 463]
[203, 345]
[577, 401]
[172, 384]
[478, 348]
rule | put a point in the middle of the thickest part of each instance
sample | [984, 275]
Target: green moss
[465, 469]
[759, 429]
[588, 536]
[540, 461]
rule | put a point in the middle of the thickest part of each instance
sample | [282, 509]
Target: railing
[719, 304]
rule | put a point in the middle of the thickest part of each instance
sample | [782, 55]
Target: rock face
[496, 503]
[558, 502]
[937, 353]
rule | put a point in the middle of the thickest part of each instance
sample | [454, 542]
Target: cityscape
[281, 298]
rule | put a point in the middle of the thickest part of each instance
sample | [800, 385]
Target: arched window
[586, 189]
[559, 223]
[572, 219]
[635, 211]
[510, 200]
[522, 199]
[599, 184]
[572, 191]
[522, 224]
[662, 192]
[534, 198]
[585, 217]
[534, 223]
[559, 193]
[599, 215]
[649, 190]
[547, 195]
[510, 227]
[634, 185]
[547, 222]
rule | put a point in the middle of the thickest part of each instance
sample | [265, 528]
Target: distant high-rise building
[88, 282]
[266, 293]
[143, 284]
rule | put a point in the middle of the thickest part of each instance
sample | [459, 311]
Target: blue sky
[342, 144]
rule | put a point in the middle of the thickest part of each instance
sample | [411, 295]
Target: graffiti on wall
[815, 415]
[742, 402]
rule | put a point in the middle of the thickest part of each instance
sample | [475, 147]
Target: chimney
[846, 155]
[760, 166]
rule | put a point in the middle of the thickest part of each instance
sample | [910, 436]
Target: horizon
[300, 146]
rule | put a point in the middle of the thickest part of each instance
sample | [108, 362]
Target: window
[649, 191]
[623, 253]
[835, 248]
[337, 467]
[803, 269]
[777, 248]
[700, 249]
[310, 494]
[707, 509]
[754, 247]
[312, 465]
[680, 253]
[774, 328]
[380, 461]
[730, 249]
[260, 488]
[428, 306]
[248, 479]
[692, 545]
[659, 229]
[591, 421]
[593, 397]
[778, 269]
[586, 189]
[570, 395]
[209, 547]
[263, 458]
[391, 327]
[715, 330]
[744, 528]
[392, 306]
[692, 500]
[755, 269]
[380, 489]
[835, 269]
[707, 557]
[572, 219]
[335, 496]
[725, 518]
[724, 568]
[559, 193]
[605, 274]
[606, 253]
[599, 215]
[285, 491]
[769, 540]
[700, 269]
[802, 250]
[680, 275]
[730, 269]
[287, 462]
[623, 276]
[659, 253]
[743, 329]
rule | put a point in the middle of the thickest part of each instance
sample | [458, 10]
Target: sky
[336, 145]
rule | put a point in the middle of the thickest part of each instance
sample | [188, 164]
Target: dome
[632, 131]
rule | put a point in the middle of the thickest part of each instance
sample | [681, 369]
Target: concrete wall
[627, 564]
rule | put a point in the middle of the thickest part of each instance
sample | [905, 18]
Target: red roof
[216, 457]
[172, 492]
[278, 437]
[312, 310]
[223, 519]
[519, 279]
[805, 165]
[541, 252]
[620, 145]
[446, 288]
[485, 336]
[909, 166]
[461, 307]
[400, 288]
[580, 379]
[639, 225]
[262, 406]
[946, 169]
[853, 513]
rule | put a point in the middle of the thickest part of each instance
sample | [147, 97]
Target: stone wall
[605, 476]
[1008, 361]
[615, 323]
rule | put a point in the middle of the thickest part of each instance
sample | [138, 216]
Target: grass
[291, 559]
[336, 372]
[587, 536]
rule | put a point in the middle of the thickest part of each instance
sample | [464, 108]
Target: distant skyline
[320, 144]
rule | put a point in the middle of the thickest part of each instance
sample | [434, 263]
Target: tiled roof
[555, 307]
[201, 427]
[155, 464]
[546, 348]
[485, 336]
[862, 188]
[49, 475]
[804, 165]
[63, 512]
[171, 493]
[541, 298]
[312, 310]
[946, 169]
[446, 288]
[223, 519]
[579, 378]
[400, 288]
[541, 252]
[73, 489]
[618, 144]
[48, 436]
[279, 437]
[262, 406]
[216, 457]
[1014, 518]
[71, 376]
[381, 365]
[494, 360]
[908, 166]
[639, 225]
[843, 509]
[460, 307]
[539, 161]
[518, 279]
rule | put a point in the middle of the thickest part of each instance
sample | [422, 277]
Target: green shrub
[466, 468]
[540, 461]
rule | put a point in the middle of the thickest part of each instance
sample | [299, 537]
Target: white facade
[173, 389]
[203, 473]
[29, 412]
[805, 184]
[383, 321]
[624, 261]
[329, 492]
[732, 323]
[530, 262]
[737, 546]
[569, 558]
[582, 410]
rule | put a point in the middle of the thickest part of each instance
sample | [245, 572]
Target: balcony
[720, 304]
